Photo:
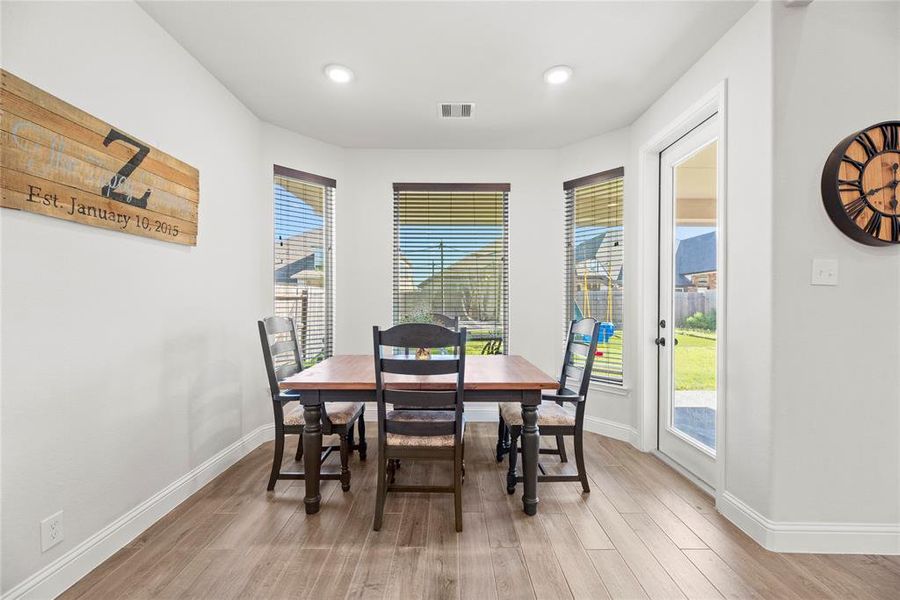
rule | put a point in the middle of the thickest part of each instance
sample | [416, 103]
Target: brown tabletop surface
[357, 372]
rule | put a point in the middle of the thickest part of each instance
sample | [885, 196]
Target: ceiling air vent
[456, 110]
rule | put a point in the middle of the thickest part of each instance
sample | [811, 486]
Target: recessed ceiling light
[558, 74]
[338, 73]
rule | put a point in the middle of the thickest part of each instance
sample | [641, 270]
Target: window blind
[304, 263]
[595, 255]
[451, 249]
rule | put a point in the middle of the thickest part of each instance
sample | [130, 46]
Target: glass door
[688, 301]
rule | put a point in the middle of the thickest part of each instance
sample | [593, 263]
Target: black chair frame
[413, 401]
[292, 364]
[580, 376]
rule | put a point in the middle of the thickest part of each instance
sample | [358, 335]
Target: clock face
[860, 185]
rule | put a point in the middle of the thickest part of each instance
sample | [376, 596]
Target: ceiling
[408, 57]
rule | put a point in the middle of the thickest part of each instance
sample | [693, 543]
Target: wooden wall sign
[59, 161]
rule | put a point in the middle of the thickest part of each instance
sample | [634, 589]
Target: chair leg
[379, 494]
[276, 460]
[561, 448]
[502, 437]
[463, 462]
[350, 441]
[299, 455]
[361, 425]
[345, 462]
[457, 490]
[579, 460]
[513, 456]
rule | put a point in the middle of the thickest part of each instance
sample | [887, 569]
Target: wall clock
[860, 185]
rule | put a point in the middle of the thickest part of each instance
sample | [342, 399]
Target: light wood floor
[643, 531]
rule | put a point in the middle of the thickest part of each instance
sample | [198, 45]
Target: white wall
[126, 361]
[836, 349]
[364, 240]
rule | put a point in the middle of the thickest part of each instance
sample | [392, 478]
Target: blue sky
[420, 245]
[683, 232]
[302, 216]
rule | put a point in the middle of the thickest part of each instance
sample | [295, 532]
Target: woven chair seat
[549, 413]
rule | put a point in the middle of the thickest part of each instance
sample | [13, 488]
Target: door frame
[681, 448]
[714, 101]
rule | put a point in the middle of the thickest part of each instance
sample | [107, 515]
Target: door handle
[660, 341]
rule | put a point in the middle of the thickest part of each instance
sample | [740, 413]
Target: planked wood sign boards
[59, 161]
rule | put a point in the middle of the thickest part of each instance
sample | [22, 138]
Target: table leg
[530, 444]
[312, 455]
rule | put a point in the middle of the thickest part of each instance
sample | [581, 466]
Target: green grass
[695, 360]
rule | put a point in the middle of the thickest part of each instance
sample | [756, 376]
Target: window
[451, 245]
[595, 254]
[304, 250]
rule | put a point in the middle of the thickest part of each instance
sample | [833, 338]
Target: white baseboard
[819, 537]
[611, 429]
[65, 571]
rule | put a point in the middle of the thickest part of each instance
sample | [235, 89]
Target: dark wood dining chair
[283, 359]
[447, 322]
[553, 418]
[427, 433]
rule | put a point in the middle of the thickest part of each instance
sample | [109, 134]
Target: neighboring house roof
[587, 249]
[286, 273]
[305, 245]
[695, 255]
[591, 247]
[482, 259]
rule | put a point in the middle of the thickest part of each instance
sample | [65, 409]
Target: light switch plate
[824, 271]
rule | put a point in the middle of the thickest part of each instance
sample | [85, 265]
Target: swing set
[607, 328]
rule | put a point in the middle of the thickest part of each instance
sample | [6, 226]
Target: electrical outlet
[51, 531]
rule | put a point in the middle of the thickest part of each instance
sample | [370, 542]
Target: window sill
[609, 388]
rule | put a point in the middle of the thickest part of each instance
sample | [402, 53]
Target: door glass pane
[694, 302]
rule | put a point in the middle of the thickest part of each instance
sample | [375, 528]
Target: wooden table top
[357, 372]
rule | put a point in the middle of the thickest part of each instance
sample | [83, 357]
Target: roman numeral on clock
[855, 208]
[852, 161]
[850, 185]
[873, 227]
[895, 228]
[868, 144]
[889, 134]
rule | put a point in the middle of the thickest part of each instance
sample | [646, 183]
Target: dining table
[351, 378]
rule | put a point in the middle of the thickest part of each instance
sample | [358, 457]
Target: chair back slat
[574, 373]
[405, 366]
[420, 428]
[584, 327]
[581, 347]
[416, 399]
[275, 324]
[414, 422]
[419, 335]
[282, 347]
[281, 356]
[285, 371]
